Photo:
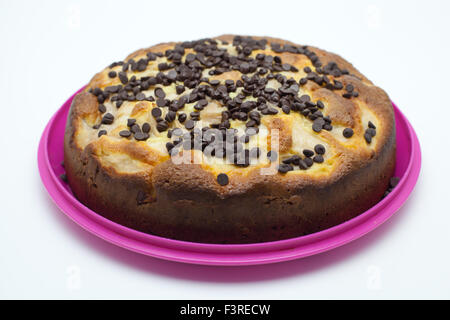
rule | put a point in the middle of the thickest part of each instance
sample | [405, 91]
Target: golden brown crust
[137, 185]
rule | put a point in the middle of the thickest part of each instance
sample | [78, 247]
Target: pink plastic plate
[50, 155]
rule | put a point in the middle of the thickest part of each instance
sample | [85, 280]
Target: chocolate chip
[318, 124]
[319, 149]
[140, 96]
[349, 88]
[244, 67]
[190, 124]
[338, 85]
[125, 133]
[130, 122]
[123, 77]
[222, 179]
[271, 110]
[286, 66]
[146, 127]
[190, 57]
[141, 136]
[368, 137]
[156, 112]
[309, 162]
[284, 168]
[308, 153]
[347, 133]
[169, 146]
[305, 98]
[286, 109]
[135, 128]
[172, 75]
[163, 66]
[371, 131]
[177, 132]
[371, 125]
[171, 116]
[162, 126]
[108, 118]
[302, 164]
[320, 104]
[161, 102]
[347, 95]
[159, 93]
[63, 177]
[182, 117]
[101, 108]
[96, 91]
[318, 158]
[180, 89]
[112, 74]
[101, 133]
[393, 182]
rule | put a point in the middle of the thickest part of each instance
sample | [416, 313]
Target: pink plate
[50, 155]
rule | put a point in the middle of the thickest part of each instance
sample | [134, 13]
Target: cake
[233, 139]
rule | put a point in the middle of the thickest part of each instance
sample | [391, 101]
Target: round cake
[233, 139]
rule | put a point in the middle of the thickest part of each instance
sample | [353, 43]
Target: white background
[49, 49]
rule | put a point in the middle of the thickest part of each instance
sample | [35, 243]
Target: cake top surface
[235, 106]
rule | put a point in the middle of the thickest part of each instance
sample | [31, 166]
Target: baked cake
[233, 139]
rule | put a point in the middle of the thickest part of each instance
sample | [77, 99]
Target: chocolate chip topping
[368, 137]
[318, 158]
[146, 127]
[162, 126]
[125, 133]
[308, 153]
[222, 179]
[108, 118]
[160, 93]
[63, 177]
[370, 132]
[101, 108]
[319, 149]
[123, 77]
[284, 168]
[156, 112]
[347, 132]
[189, 124]
[185, 71]
[141, 136]
[393, 182]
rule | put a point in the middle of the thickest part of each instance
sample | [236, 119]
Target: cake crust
[137, 185]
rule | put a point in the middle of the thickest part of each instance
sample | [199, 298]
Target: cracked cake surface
[233, 139]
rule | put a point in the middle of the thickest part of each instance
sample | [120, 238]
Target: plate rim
[229, 254]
